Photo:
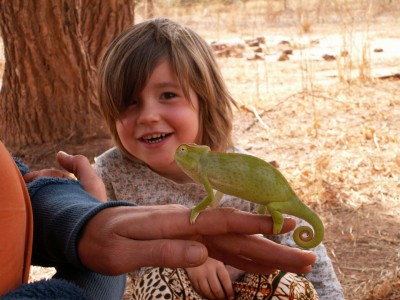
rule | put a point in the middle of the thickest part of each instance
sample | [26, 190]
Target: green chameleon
[250, 178]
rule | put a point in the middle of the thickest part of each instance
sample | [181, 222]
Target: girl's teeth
[155, 138]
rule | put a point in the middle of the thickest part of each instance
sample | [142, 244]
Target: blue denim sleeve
[47, 290]
[61, 208]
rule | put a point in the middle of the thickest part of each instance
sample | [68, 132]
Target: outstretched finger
[174, 223]
[256, 254]
[156, 253]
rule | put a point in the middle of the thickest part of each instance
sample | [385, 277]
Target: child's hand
[211, 280]
[77, 167]
[31, 176]
[234, 273]
[80, 166]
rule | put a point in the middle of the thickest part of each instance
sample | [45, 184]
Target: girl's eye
[133, 102]
[168, 95]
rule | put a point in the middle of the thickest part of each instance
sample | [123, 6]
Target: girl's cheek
[120, 125]
[125, 121]
[124, 129]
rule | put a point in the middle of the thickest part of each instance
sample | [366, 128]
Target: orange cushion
[16, 225]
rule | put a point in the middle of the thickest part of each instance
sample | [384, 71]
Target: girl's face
[159, 119]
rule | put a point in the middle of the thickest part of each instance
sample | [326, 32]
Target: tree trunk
[150, 9]
[52, 50]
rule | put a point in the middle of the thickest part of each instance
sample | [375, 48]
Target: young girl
[159, 87]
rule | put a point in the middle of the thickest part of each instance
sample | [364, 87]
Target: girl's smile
[155, 137]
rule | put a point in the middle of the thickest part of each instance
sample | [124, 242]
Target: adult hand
[121, 239]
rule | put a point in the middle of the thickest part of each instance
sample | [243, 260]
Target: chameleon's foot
[277, 227]
[193, 216]
[277, 217]
[196, 210]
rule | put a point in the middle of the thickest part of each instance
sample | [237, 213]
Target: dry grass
[331, 125]
[349, 172]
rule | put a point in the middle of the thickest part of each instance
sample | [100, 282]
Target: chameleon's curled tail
[304, 236]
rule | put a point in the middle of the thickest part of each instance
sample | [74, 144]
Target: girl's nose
[149, 112]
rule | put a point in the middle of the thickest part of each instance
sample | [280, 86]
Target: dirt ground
[328, 113]
[359, 204]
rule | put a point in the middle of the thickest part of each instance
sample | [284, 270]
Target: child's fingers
[31, 176]
[80, 166]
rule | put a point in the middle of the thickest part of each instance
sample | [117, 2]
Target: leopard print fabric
[277, 286]
[165, 283]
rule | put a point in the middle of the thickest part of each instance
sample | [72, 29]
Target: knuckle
[81, 159]
[163, 254]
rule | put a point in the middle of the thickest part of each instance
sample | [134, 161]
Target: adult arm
[61, 208]
[117, 237]
[77, 283]
[162, 236]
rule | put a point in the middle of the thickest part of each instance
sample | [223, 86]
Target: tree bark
[52, 50]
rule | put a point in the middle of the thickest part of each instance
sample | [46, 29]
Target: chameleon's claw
[193, 216]
[277, 227]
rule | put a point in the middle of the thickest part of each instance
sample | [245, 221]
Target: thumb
[169, 254]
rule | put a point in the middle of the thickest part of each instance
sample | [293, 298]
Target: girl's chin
[161, 165]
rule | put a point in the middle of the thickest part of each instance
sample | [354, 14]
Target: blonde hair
[132, 56]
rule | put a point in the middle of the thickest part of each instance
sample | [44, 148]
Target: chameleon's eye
[182, 151]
